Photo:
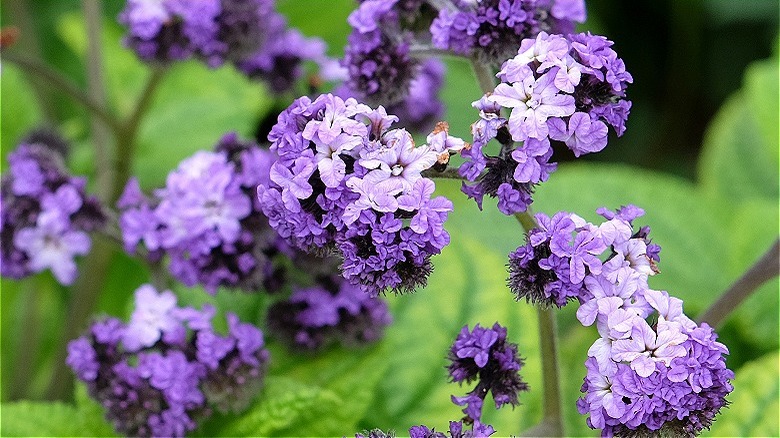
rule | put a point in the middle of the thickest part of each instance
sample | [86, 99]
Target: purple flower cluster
[345, 182]
[670, 375]
[641, 375]
[478, 430]
[561, 90]
[279, 61]
[377, 57]
[207, 219]
[561, 258]
[494, 28]
[336, 311]
[249, 33]
[167, 368]
[484, 354]
[422, 108]
[45, 214]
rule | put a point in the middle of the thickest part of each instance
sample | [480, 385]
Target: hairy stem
[448, 173]
[101, 135]
[126, 140]
[762, 271]
[39, 69]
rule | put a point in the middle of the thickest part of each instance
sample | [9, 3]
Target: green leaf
[27, 418]
[320, 395]
[284, 403]
[754, 403]
[740, 154]
[193, 108]
[20, 113]
[467, 287]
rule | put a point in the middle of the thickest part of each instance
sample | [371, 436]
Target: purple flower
[493, 29]
[582, 136]
[153, 316]
[162, 387]
[83, 359]
[533, 101]
[45, 213]
[337, 311]
[208, 220]
[643, 377]
[484, 355]
[368, 179]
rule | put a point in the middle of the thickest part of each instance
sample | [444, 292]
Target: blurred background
[688, 59]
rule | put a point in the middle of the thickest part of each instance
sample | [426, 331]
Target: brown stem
[762, 271]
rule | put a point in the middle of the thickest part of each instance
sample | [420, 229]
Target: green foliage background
[713, 220]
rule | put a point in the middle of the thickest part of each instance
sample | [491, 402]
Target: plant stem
[548, 340]
[762, 271]
[552, 422]
[101, 136]
[64, 84]
[426, 51]
[29, 344]
[91, 280]
[448, 173]
[485, 76]
[126, 140]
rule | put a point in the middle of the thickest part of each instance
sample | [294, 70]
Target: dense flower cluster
[421, 108]
[561, 90]
[334, 311]
[249, 33]
[456, 430]
[345, 182]
[208, 220]
[483, 354]
[377, 56]
[560, 261]
[642, 376]
[494, 28]
[45, 214]
[167, 368]
[670, 375]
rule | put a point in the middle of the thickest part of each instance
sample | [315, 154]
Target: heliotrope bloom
[249, 33]
[207, 219]
[378, 60]
[347, 183]
[421, 108]
[484, 355]
[332, 311]
[562, 258]
[167, 369]
[493, 29]
[45, 213]
[562, 90]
